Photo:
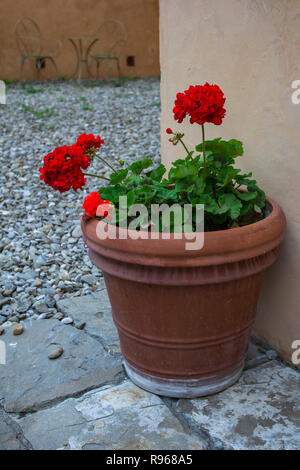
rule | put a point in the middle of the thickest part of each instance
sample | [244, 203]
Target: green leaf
[118, 176]
[231, 148]
[236, 148]
[112, 193]
[133, 180]
[164, 195]
[195, 184]
[157, 173]
[140, 165]
[245, 195]
[131, 198]
[181, 172]
[246, 208]
[226, 175]
[210, 204]
[229, 203]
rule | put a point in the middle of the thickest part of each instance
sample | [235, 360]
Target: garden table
[81, 46]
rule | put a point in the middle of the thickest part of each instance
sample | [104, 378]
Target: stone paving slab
[8, 437]
[30, 380]
[261, 411]
[95, 310]
[114, 417]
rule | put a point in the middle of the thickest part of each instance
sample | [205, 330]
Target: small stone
[37, 283]
[80, 325]
[18, 329]
[58, 316]
[27, 275]
[41, 260]
[42, 316]
[65, 276]
[77, 232]
[89, 279]
[4, 301]
[14, 318]
[1, 330]
[46, 228]
[8, 289]
[41, 307]
[67, 320]
[271, 354]
[23, 306]
[56, 353]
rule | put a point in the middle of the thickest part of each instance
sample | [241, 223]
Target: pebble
[57, 352]
[4, 301]
[23, 305]
[18, 329]
[2, 330]
[41, 307]
[271, 354]
[67, 320]
[8, 289]
[80, 325]
[42, 316]
[89, 279]
[77, 232]
[14, 318]
[37, 283]
[58, 316]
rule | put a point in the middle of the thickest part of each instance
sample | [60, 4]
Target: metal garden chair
[31, 45]
[107, 45]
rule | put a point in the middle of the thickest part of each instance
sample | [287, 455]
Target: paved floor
[83, 399]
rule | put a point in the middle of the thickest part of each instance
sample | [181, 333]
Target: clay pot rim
[220, 246]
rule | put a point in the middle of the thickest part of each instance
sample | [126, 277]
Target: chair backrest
[112, 36]
[28, 37]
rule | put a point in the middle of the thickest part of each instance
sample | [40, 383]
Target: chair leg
[98, 64]
[38, 66]
[22, 65]
[54, 63]
[118, 65]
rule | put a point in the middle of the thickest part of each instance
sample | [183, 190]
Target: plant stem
[97, 176]
[203, 149]
[185, 147]
[106, 163]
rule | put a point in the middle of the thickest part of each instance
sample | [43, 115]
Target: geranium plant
[204, 175]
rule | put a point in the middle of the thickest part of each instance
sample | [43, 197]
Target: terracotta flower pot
[184, 317]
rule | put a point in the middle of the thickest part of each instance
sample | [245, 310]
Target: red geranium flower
[203, 103]
[92, 202]
[169, 131]
[62, 168]
[89, 141]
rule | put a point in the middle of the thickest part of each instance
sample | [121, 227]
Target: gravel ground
[42, 255]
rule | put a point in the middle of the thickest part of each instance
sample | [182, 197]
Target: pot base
[181, 388]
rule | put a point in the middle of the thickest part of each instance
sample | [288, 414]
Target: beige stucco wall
[251, 48]
[61, 19]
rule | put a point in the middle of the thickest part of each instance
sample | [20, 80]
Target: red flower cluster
[62, 168]
[89, 141]
[92, 203]
[203, 103]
